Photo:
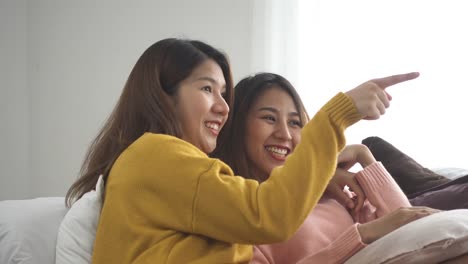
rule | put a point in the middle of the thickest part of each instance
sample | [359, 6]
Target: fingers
[422, 211]
[410, 214]
[355, 153]
[337, 192]
[383, 99]
[381, 108]
[389, 97]
[381, 103]
[360, 196]
[377, 110]
[371, 99]
[395, 79]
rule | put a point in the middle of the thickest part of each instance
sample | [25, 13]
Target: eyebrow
[274, 110]
[208, 79]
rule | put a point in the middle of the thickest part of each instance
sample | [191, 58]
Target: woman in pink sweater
[268, 117]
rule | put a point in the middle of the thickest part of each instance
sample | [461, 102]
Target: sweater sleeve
[237, 210]
[384, 195]
[381, 190]
[339, 250]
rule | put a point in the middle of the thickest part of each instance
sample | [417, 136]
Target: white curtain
[334, 45]
[274, 42]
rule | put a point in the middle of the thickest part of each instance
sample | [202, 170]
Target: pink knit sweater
[329, 234]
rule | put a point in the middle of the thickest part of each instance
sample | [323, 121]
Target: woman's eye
[269, 118]
[295, 123]
[206, 88]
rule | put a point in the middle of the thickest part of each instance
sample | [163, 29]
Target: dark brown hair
[145, 104]
[232, 150]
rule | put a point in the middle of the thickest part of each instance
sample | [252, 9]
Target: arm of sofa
[28, 229]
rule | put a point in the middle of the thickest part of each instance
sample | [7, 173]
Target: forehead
[208, 70]
[275, 97]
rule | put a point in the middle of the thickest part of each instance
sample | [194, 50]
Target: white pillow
[77, 231]
[28, 229]
[431, 239]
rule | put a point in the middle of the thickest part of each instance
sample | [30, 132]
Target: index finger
[356, 188]
[394, 79]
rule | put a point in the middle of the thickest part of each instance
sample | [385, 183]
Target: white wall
[14, 107]
[79, 54]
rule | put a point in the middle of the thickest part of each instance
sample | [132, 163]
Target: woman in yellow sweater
[166, 201]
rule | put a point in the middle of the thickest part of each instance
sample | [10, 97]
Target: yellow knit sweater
[168, 202]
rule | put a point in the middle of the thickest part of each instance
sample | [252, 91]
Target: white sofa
[45, 231]
[29, 228]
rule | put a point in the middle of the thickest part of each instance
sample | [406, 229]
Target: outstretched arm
[371, 99]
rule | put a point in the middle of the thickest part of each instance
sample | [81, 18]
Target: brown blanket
[422, 186]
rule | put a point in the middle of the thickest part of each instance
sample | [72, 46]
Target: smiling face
[200, 106]
[273, 128]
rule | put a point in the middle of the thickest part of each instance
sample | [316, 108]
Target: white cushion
[77, 231]
[28, 229]
[451, 172]
[431, 239]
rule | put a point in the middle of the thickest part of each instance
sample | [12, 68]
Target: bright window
[341, 44]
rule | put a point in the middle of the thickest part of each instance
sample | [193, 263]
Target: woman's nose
[221, 107]
[283, 132]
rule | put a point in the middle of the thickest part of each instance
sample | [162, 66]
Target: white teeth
[276, 150]
[214, 126]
